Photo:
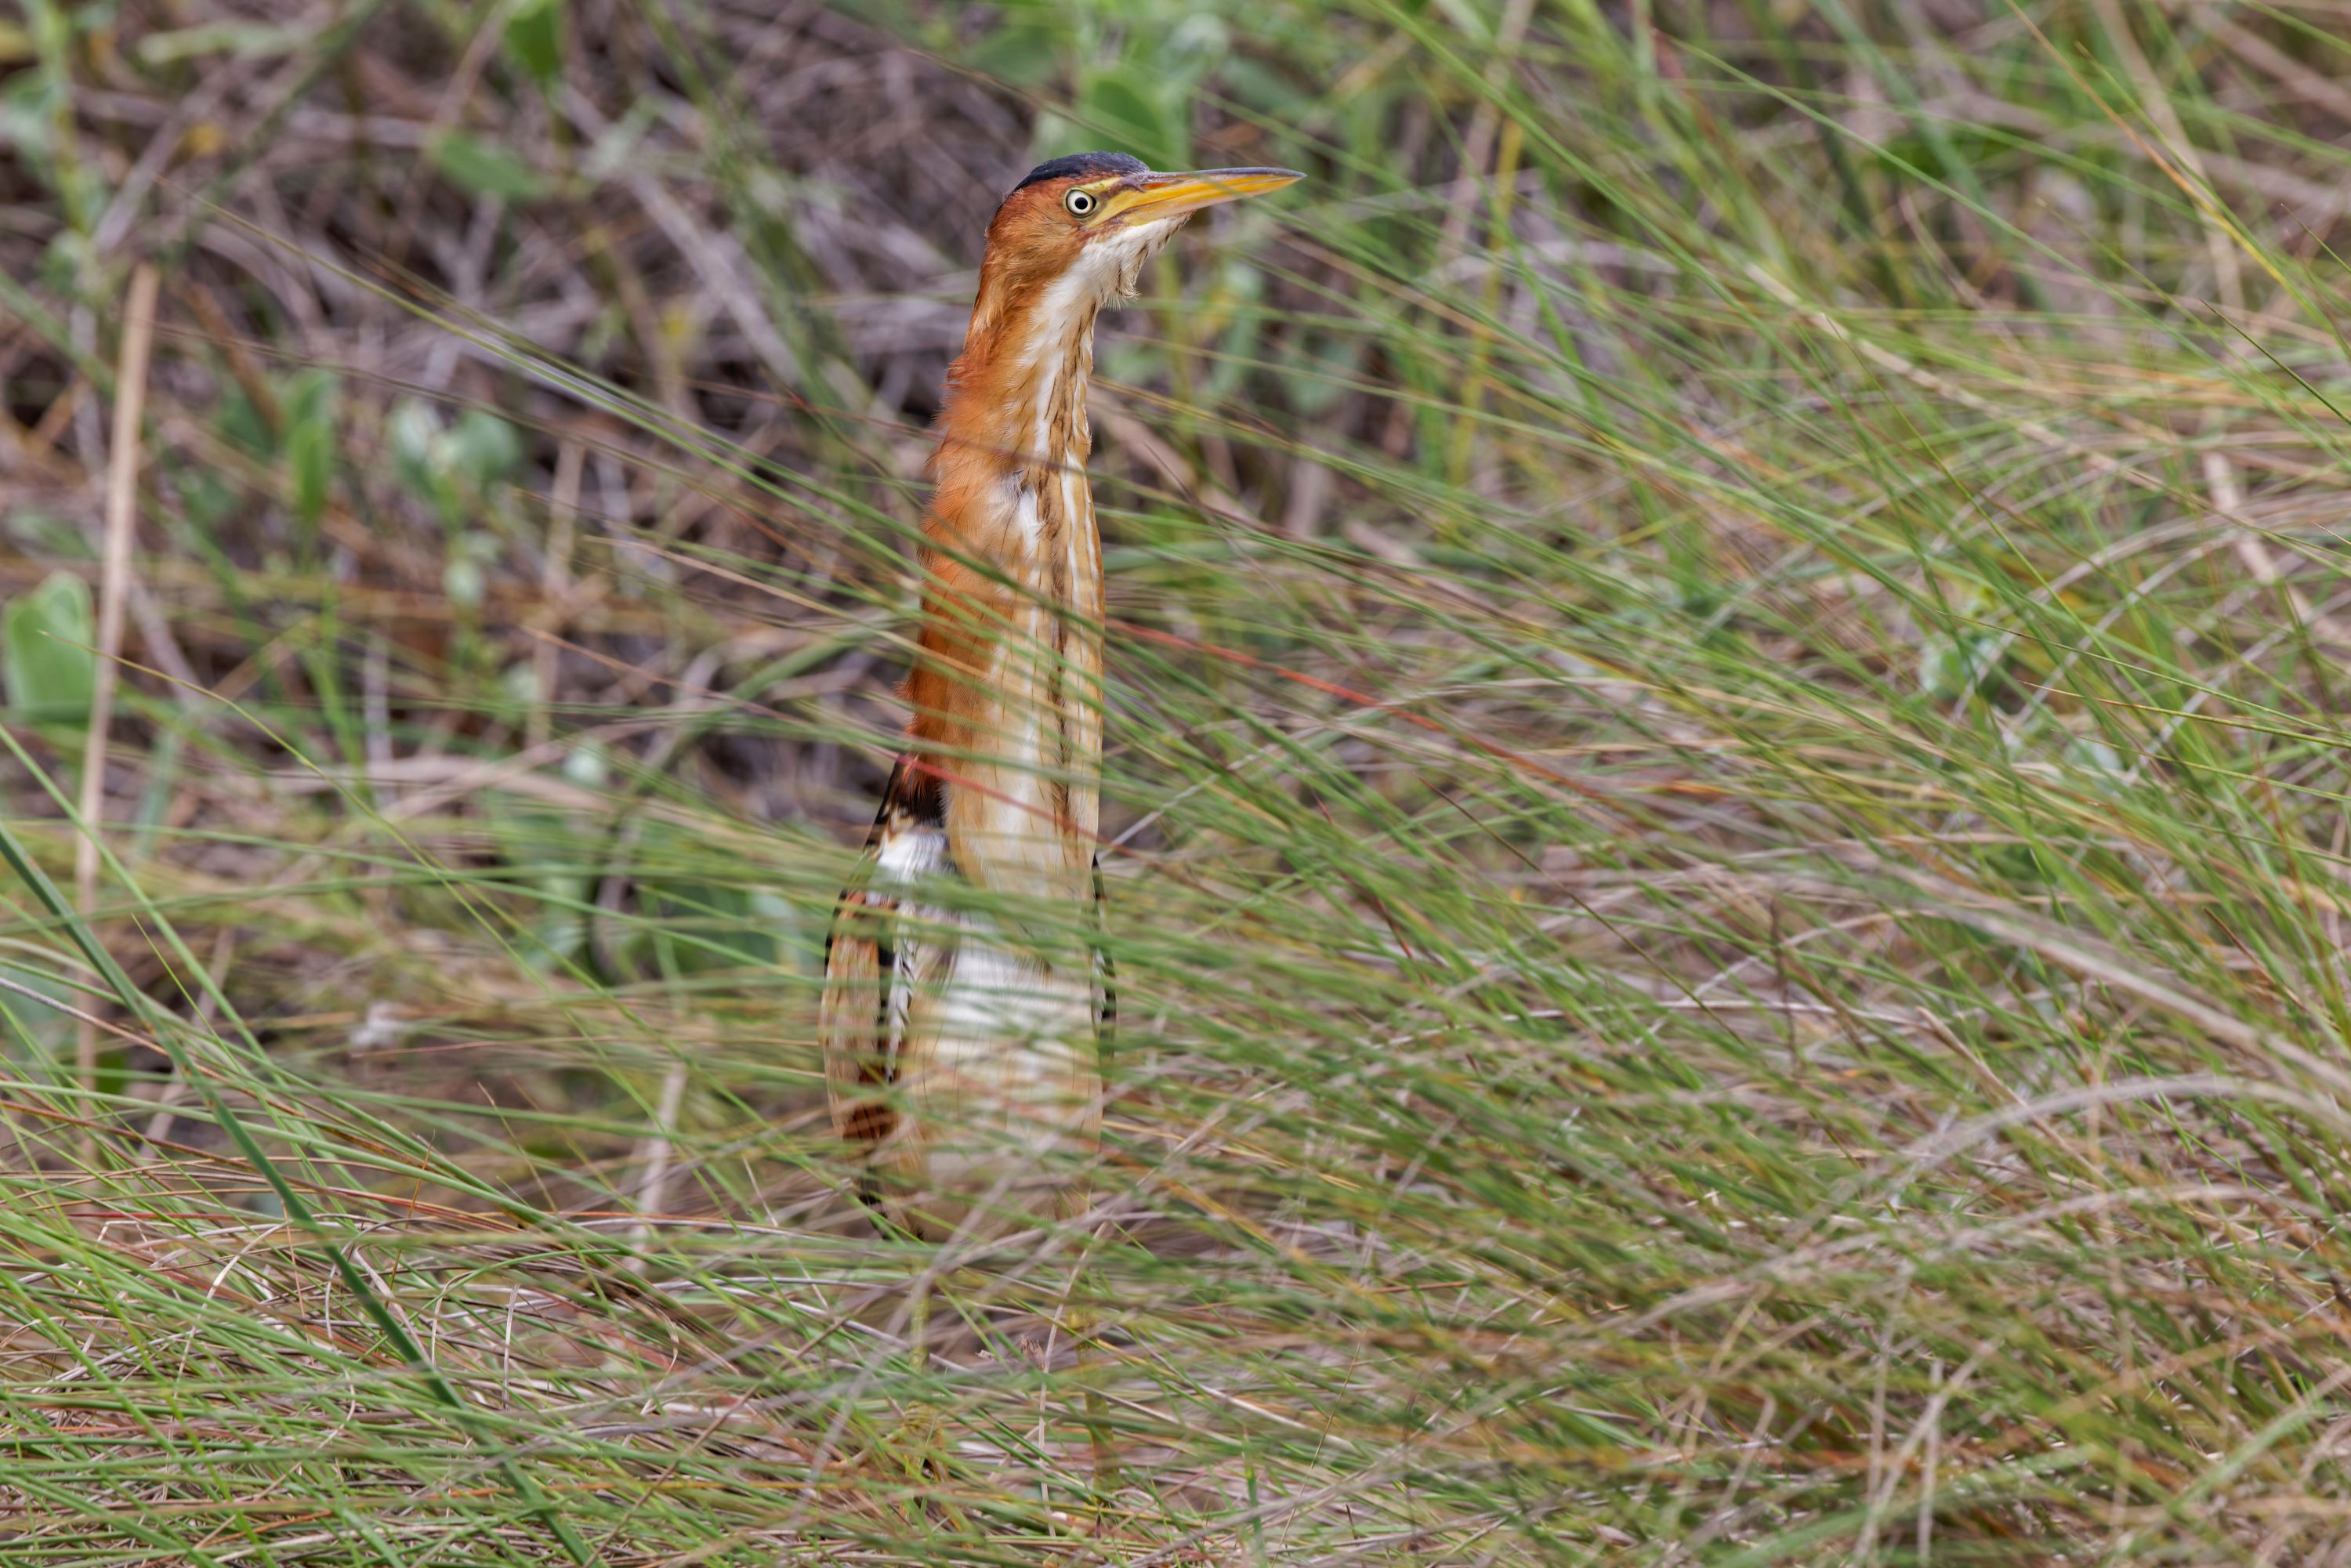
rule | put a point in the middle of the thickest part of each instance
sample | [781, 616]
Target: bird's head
[1074, 236]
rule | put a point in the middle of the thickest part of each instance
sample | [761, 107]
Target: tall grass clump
[1726, 826]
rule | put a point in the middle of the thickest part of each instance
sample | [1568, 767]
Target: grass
[1726, 768]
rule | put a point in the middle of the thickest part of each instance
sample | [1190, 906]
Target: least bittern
[962, 1028]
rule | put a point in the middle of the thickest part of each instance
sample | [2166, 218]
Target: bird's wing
[873, 954]
[1105, 972]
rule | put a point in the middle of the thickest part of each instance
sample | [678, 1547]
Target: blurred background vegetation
[1727, 783]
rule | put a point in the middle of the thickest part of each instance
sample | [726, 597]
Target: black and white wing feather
[873, 956]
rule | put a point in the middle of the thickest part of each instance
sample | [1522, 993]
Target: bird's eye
[1079, 203]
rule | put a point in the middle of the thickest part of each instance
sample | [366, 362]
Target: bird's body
[966, 998]
[963, 1060]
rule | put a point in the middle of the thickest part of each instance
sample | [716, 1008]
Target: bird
[968, 996]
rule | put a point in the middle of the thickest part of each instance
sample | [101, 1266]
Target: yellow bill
[1155, 196]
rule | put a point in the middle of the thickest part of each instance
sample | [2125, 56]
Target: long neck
[1007, 687]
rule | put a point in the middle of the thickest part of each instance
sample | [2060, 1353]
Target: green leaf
[1949, 666]
[47, 1029]
[310, 468]
[463, 580]
[240, 424]
[483, 166]
[535, 39]
[480, 448]
[1129, 111]
[708, 927]
[238, 40]
[310, 403]
[47, 651]
[1023, 50]
[46, 533]
[27, 120]
[308, 395]
[409, 434]
[413, 437]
